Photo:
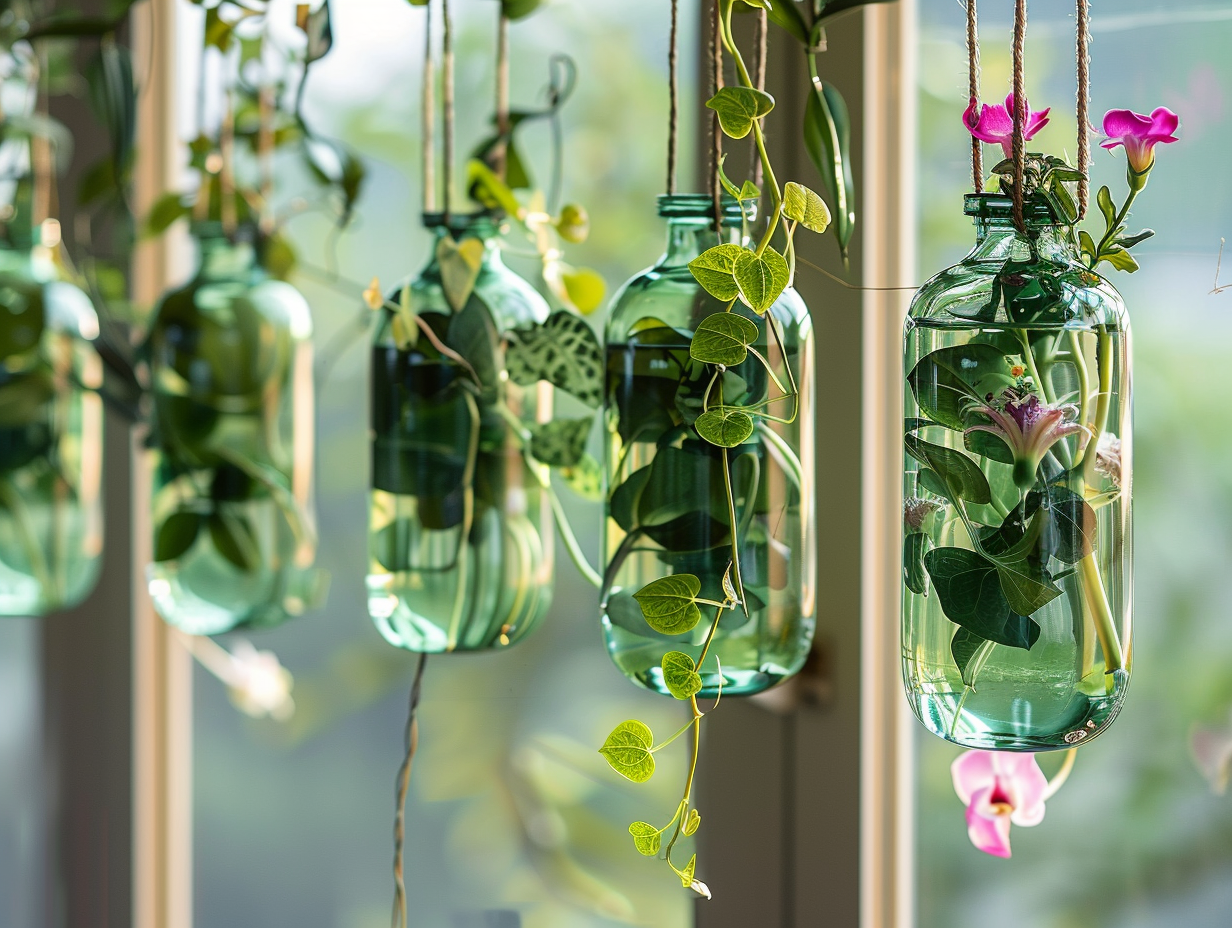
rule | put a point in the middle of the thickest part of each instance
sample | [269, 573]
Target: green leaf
[946, 380]
[1069, 534]
[1104, 199]
[391, 546]
[738, 108]
[723, 338]
[834, 7]
[680, 675]
[785, 14]
[669, 604]
[235, 540]
[561, 442]
[646, 838]
[490, 191]
[761, 278]
[167, 209]
[1129, 241]
[964, 646]
[805, 207]
[627, 750]
[176, 535]
[459, 264]
[715, 268]
[915, 546]
[692, 823]
[316, 26]
[686, 875]
[724, 426]
[827, 138]
[473, 335]
[747, 190]
[1086, 244]
[969, 589]
[1120, 259]
[519, 9]
[585, 478]
[961, 475]
[218, 32]
[1026, 584]
[563, 351]
[585, 287]
[988, 445]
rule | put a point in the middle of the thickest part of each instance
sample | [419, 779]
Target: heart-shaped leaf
[564, 351]
[646, 838]
[686, 875]
[723, 338]
[915, 546]
[459, 263]
[669, 604]
[761, 279]
[627, 750]
[692, 823]
[738, 107]
[961, 475]
[234, 539]
[715, 268]
[805, 207]
[725, 426]
[585, 288]
[680, 675]
[176, 535]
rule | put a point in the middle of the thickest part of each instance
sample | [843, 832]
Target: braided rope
[673, 119]
[1020, 109]
[973, 91]
[1084, 102]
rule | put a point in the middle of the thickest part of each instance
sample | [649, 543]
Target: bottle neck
[220, 257]
[999, 240]
[689, 237]
[484, 232]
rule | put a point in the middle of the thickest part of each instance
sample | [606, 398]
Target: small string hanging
[411, 742]
[428, 116]
[501, 154]
[1084, 94]
[673, 79]
[447, 103]
[1020, 109]
[973, 90]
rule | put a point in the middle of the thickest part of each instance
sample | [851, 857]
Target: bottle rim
[701, 206]
[998, 206]
[458, 224]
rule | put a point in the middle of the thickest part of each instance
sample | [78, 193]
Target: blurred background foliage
[1135, 838]
[511, 807]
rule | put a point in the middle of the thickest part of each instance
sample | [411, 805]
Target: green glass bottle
[460, 553]
[231, 369]
[51, 432]
[1018, 553]
[666, 504]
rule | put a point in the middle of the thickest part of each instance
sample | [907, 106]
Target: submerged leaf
[669, 604]
[627, 750]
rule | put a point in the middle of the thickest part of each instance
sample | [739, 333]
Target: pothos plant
[754, 274]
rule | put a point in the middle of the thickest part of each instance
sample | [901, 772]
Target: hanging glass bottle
[460, 543]
[1018, 550]
[231, 369]
[666, 503]
[51, 429]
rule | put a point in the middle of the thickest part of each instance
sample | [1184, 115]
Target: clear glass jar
[231, 370]
[666, 503]
[1018, 553]
[460, 546]
[51, 435]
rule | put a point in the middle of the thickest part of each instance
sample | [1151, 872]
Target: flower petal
[972, 771]
[1164, 124]
[1122, 124]
[1025, 782]
[990, 835]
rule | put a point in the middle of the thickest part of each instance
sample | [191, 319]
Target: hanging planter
[667, 507]
[51, 435]
[460, 529]
[230, 359]
[1018, 553]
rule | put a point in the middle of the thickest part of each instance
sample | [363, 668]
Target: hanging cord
[226, 173]
[673, 80]
[1020, 109]
[447, 103]
[428, 116]
[502, 94]
[1084, 102]
[398, 920]
[716, 132]
[265, 153]
[761, 38]
[973, 91]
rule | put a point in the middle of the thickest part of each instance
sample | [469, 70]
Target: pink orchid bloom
[1029, 428]
[1211, 748]
[998, 789]
[1139, 134]
[995, 124]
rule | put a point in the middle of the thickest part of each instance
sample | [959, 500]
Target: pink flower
[1029, 428]
[995, 124]
[998, 789]
[1211, 747]
[1139, 134]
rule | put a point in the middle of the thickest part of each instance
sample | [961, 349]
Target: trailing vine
[749, 276]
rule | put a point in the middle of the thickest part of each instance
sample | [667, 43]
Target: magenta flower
[1028, 427]
[998, 789]
[995, 124]
[1139, 134]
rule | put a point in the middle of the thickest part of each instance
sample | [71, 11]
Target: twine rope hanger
[1018, 142]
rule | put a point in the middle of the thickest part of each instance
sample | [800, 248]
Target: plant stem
[570, 539]
[735, 540]
[1028, 357]
[1111, 230]
[1101, 612]
[1059, 778]
[404, 782]
[468, 516]
[1104, 361]
[1084, 392]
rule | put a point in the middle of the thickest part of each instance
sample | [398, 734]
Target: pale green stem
[1028, 357]
[1102, 405]
[570, 539]
[468, 516]
[1084, 391]
[1105, 627]
[1059, 778]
